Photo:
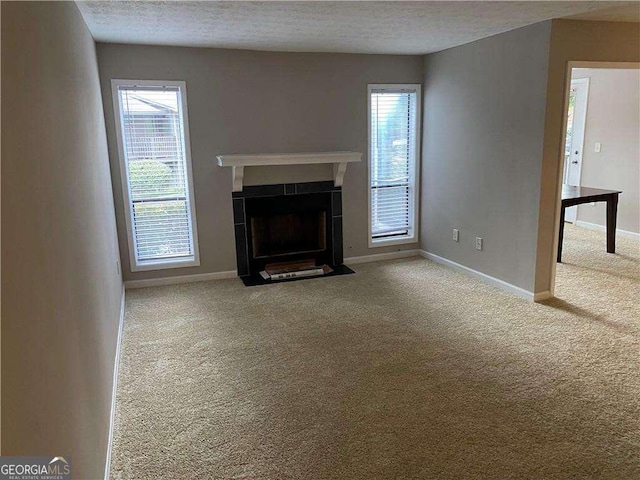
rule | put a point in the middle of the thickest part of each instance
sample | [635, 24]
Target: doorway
[601, 158]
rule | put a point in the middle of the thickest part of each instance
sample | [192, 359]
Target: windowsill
[165, 264]
[385, 242]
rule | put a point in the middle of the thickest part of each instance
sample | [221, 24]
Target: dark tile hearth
[255, 279]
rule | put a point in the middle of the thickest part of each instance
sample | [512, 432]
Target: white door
[574, 141]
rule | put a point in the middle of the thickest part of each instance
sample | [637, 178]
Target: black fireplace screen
[285, 234]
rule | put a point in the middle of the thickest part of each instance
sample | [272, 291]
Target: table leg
[612, 217]
[561, 234]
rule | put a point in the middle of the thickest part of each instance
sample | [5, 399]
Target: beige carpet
[405, 370]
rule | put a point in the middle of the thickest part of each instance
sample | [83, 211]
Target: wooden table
[572, 196]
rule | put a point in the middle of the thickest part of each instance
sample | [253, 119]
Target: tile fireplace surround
[323, 195]
[303, 221]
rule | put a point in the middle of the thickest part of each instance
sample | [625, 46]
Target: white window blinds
[158, 183]
[393, 151]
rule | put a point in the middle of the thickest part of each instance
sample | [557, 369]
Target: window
[155, 162]
[394, 126]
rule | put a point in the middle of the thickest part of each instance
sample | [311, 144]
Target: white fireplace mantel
[238, 162]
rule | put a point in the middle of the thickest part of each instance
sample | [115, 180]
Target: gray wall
[258, 102]
[484, 106]
[60, 289]
[613, 119]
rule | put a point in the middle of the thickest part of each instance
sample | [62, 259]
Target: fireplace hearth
[294, 222]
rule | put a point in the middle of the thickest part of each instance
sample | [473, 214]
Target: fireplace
[277, 224]
[288, 234]
[288, 230]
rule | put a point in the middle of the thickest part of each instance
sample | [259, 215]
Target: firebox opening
[288, 234]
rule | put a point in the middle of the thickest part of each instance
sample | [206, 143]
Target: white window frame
[159, 264]
[414, 173]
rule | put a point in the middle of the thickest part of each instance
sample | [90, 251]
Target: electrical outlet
[478, 243]
[598, 147]
[456, 235]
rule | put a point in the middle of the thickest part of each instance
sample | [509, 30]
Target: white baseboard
[200, 277]
[112, 416]
[203, 277]
[377, 257]
[496, 282]
[602, 228]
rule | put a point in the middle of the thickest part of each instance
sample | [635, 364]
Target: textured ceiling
[354, 27]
